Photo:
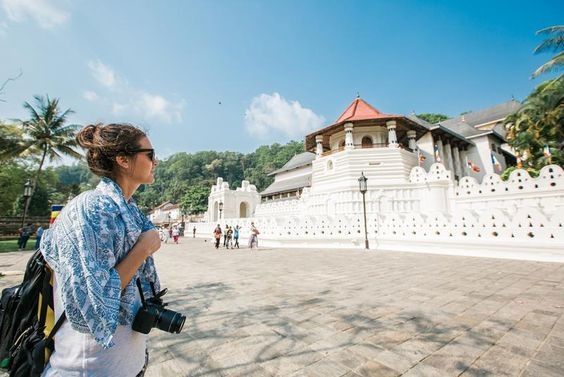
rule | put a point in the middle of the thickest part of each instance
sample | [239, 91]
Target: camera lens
[170, 321]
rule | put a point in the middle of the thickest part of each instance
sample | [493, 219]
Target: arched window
[243, 210]
[367, 142]
[330, 165]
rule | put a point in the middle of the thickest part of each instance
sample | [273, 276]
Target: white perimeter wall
[521, 218]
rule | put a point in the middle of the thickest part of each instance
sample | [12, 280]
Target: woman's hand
[149, 241]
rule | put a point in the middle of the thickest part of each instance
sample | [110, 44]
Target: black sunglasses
[150, 152]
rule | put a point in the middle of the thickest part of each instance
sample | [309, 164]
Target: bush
[532, 172]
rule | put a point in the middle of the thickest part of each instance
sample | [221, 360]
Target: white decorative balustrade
[430, 213]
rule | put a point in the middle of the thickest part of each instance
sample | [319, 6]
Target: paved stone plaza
[311, 312]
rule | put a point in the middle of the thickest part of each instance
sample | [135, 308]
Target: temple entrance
[243, 210]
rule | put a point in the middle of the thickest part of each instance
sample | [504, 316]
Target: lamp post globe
[362, 183]
[363, 187]
[26, 195]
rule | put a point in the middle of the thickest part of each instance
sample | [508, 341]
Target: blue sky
[235, 75]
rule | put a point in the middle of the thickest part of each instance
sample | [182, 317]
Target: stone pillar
[319, 147]
[349, 142]
[448, 153]
[456, 155]
[392, 138]
[411, 140]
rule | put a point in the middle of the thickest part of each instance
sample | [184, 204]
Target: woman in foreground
[98, 246]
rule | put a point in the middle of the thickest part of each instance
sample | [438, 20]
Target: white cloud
[149, 107]
[104, 74]
[270, 112]
[128, 101]
[90, 95]
[44, 12]
[154, 106]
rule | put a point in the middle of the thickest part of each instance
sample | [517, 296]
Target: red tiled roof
[361, 110]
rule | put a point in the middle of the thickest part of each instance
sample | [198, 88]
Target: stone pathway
[311, 312]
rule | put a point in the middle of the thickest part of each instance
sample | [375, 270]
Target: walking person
[175, 234]
[25, 233]
[217, 235]
[161, 234]
[236, 236]
[253, 239]
[225, 236]
[38, 235]
[165, 235]
[99, 247]
[194, 232]
[229, 233]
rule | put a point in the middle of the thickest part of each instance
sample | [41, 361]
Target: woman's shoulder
[87, 210]
[100, 199]
[96, 204]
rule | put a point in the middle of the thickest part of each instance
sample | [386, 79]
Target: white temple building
[226, 203]
[430, 188]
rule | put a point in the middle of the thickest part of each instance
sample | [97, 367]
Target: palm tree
[45, 136]
[554, 43]
[10, 136]
[536, 129]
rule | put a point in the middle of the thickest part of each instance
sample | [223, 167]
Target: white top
[78, 354]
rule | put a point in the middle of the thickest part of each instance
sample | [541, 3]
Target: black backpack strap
[49, 341]
[46, 295]
[56, 327]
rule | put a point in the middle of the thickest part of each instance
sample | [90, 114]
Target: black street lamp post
[220, 209]
[26, 196]
[363, 188]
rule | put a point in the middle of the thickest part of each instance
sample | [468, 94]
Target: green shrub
[505, 175]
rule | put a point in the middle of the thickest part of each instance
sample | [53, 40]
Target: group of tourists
[168, 233]
[231, 236]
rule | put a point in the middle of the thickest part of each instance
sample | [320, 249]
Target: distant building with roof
[165, 214]
[430, 187]
[290, 179]
[465, 145]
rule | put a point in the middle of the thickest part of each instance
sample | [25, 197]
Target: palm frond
[550, 45]
[32, 111]
[559, 29]
[553, 64]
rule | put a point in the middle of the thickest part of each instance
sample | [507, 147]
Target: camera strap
[138, 282]
[156, 296]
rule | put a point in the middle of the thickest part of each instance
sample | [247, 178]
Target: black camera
[153, 314]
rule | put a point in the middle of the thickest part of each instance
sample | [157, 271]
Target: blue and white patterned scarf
[91, 235]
